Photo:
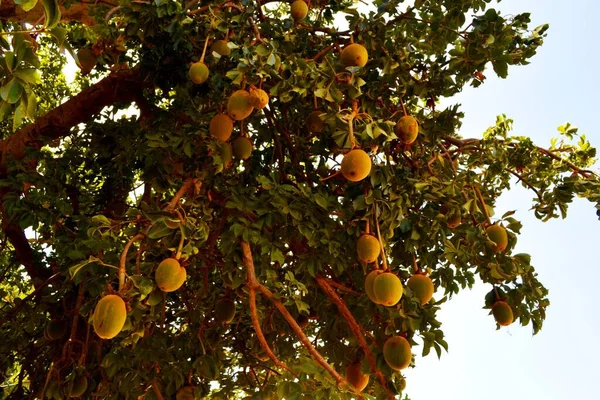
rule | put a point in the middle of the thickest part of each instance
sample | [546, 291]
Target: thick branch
[356, 330]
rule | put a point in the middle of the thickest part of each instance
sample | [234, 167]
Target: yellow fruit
[407, 129]
[299, 10]
[387, 289]
[87, 60]
[55, 330]
[369, 280]
[238, 105]
[109, 316]
[368, 248]
[354, 55]
[258, 98]
[169, 275]
[397, 353]
[356, 378]
[220, 47]
[242, 147]
[198, 72]
[356, 165]
[221, 127]
[497, 234]
[314, 123]
[422, 287]
[226, 154]
[454, 220]
[502, 313]
[225, 310]
[185, 393]
[77, 387]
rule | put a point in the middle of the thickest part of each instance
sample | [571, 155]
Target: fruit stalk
[485, 211]
[123, 259]
[383, 256]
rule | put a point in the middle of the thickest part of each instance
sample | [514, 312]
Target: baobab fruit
[354, 55]
[503, 313]
[356, 378]
[387, 289]
[422, 287]
[497, 234]
[87, 60]
[356, 165]
[225, 310]
[242, 147]
[258, 98]
[454, 220]
[169, 275]
[109, 316]
[77, 387]
[220, 47]
[221, 127]
[185, 393]
[299, 10]
[198, 72]
[54, 330]
[368, 248]
[444, 209]
[155, 297]
[397, 353]
[238, 105]
[369, 280]
[407, 129]
[226, 154]
[314, 123]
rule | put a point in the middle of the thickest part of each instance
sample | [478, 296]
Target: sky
[561, 362]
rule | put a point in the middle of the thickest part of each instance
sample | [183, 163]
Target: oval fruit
[87, 60]
[314, 123]
[397, 353]
[226, 154]
[368, 248]
[258, 98]
[55, 330]
[220, 47]
[225, 310]
[422, 287]
[169, 275]
[356, 378]
[497, 234]
[242, 147]
[503, 313]
[238, 105]
[387, 289]
[198, 72]
[407, 129]
[354, 55]
[221, 127]
[299, 10]
[77, 387]
[454, 220]
[109, 316]
[369, 280]
[356, 165]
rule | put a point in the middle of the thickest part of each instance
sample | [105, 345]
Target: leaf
[28, 75]
[158, 231]
[26, 5]
[52, 12]
[11, 92]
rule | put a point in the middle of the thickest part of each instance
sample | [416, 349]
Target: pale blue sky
[562, 361]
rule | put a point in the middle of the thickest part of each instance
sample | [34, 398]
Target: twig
[123, 259]
[187, 184]
[485, 211]
[8, 315]
[156, 390]
[355, 329]
[341, 287]
[526, 182]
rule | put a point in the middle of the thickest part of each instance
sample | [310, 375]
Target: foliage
[97, 191]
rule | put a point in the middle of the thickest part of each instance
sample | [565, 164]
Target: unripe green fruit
[314, 123]
[354, 55]
[225, 310]
[78, 386]
[155, 297]
[422, 287]
[258, 98]
[369, 281]
[238, 105]
[356, 165]
[387, 289]
[498, 235]
[220, 47]
[198, 72]
[368, 248]
[221, 127]
[397, 353]
[55, 330]
[109, 316]
[356, 378]
[299, 10]
[169, 275]
[242, 147]
[407, 129]
[87, 60]
[502, 313]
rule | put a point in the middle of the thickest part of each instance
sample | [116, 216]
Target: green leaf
[26, 5]
[158, 231]
[28, 75]
[11, 92]
[52, 12]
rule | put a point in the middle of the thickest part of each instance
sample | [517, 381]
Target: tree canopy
[246, 199]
